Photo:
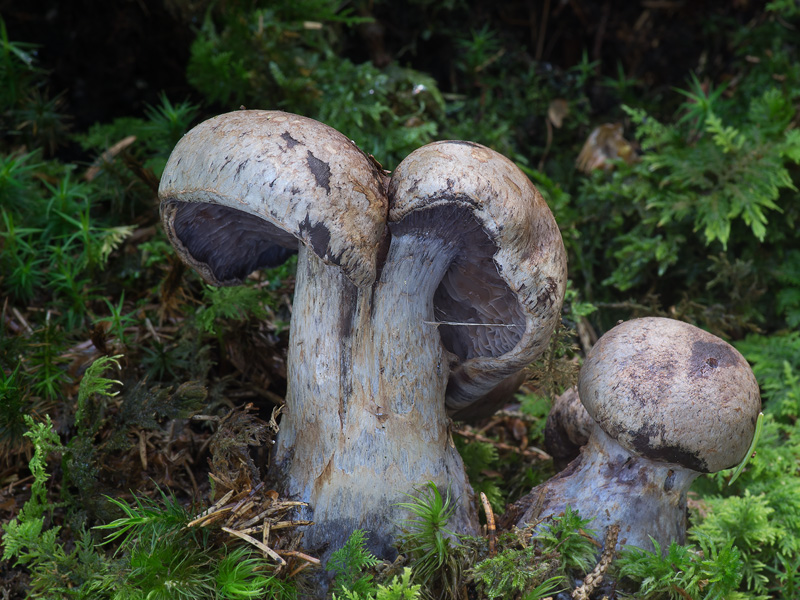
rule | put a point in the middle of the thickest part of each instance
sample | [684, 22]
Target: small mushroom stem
[365, 419]
[646, 498]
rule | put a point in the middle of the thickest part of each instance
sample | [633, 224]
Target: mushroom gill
[226, 243]
[471, 290]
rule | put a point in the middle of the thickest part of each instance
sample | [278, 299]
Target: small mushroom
[417, 295]
[567, 429]
[670, 402]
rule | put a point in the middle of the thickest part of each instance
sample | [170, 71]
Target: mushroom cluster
[418, 295]
[668, 402]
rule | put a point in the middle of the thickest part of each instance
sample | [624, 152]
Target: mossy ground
[694, 215]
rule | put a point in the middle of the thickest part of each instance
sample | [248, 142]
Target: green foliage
[17, 69]
[504, 96]
[425, 537]
[536, 561]
[45, 440]
[538, 407]
[750, 451]
[545, 590]
[163, 558]
[155, 135]
[732, 173]
[349, 562]
[760, 514]
[119, 322]
[145, 519]
[515, 571]
[399, 588]
[703, 228]
[28, 115]
[775, 361]
[702, 221]
[94, 383]
[157, 555]
[569, 535]
[788, 298]
[235, 303]
[275, 58]
[54, 569]
[707, 572]
[12, 414]
[746, 523]
[478, 457]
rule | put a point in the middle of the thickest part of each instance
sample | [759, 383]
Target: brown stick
[595, 578]
[491, 530]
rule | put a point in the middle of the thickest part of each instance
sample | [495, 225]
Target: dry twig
[491, 530]
[595, 578]
[245, 514]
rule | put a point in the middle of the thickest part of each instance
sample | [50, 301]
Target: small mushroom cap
[669, 391]
[241, 189]
[510, 271]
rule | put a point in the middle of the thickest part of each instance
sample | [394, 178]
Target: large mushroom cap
[672, 392]
[509, 271]
[241, 189]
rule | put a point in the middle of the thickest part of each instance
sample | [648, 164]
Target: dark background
[112, 58]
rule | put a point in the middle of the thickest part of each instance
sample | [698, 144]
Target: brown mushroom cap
[241, 189]
[509, 270]
[672, 392]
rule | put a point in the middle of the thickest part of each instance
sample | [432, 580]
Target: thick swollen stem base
[644, 497]
[365, 422]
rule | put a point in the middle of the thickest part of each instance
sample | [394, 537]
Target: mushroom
[670, 402]
[567, 429]
[414, 296]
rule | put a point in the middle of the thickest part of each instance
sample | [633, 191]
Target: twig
[491, 530]
[285, 524]
[300, 555]
[107, 157]
[280, 525]
[595, 578]
[437, 323]
[212, 510]
[21, 319]
[260, 545]
[296, 570]
[152, 329]
[242, 507]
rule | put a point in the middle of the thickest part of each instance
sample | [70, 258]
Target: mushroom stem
[646, 498]
[365, 419]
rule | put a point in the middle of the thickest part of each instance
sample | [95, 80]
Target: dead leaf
[605, 144]
[557, 112]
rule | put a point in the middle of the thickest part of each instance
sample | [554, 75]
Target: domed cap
[240, 190]
[672, 392]
[509, 274]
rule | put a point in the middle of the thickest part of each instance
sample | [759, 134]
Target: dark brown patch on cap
[320, 170]
[708, 356]
[290, 141]
[548, 294]
[642, 443]
[318, 236]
